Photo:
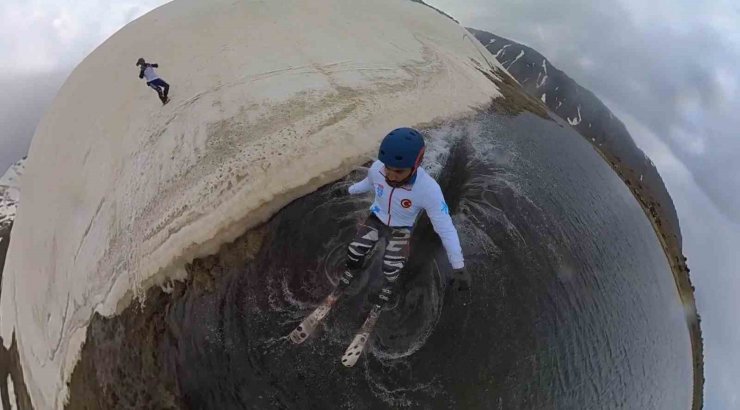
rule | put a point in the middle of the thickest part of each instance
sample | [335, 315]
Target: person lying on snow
[153, 80]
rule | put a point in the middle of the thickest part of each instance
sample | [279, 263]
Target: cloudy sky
[667, 68]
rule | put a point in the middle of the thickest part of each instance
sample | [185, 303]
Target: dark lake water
[573, 305]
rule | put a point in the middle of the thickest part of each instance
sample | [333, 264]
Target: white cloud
[693, 143]
[45, 35]
[586, 62]
[25, 39]
[67, 28]
[726, 80]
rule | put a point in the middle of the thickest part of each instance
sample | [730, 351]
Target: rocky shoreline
[680, 270]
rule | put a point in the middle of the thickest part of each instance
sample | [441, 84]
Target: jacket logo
[379, 190]
[406, 203]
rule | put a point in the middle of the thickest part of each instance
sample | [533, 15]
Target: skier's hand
[460, 280]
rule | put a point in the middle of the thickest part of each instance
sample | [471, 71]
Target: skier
[153, 80]
[402, 190]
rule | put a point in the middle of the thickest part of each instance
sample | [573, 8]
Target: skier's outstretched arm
[439, 214]
[361, 187]
[155, 65]
[366, 185]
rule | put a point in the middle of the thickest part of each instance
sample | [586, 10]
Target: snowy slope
[10, 192]
[269, 101]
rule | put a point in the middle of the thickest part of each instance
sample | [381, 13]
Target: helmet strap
[419, 157]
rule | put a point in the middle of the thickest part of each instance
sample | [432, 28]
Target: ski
[358, 343]
[309, 324]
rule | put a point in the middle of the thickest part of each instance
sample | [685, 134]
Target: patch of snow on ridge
[502, 51]
[577, 120]
[521, 54]
[542, 77]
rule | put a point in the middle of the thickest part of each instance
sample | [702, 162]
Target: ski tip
[350, 359]
[354, 351]
[298, 336]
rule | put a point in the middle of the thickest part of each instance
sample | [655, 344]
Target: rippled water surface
[573, 304]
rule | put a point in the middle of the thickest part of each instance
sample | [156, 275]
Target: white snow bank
[11, 393]
[542, 76]
[10, 192]
[269, 101]
[576, 120]
[11, 178]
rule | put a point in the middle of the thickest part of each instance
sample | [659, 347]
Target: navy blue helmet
[402, 148]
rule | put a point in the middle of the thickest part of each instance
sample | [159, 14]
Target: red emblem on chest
[406, 203]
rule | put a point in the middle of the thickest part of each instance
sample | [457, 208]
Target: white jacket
[150, 74]
[400, 206]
